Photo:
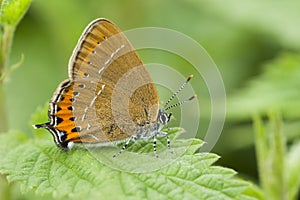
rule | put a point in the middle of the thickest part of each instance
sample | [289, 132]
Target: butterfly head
[163, 117]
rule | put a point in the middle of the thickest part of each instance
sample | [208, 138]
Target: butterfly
[109, 96]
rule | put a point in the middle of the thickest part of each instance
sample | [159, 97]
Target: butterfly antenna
[181, 102]
[181, 88]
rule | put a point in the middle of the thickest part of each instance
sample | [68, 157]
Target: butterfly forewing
[109, 92]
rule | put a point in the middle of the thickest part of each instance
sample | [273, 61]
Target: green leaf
[38, 165]
[255, 192]
[12, 11]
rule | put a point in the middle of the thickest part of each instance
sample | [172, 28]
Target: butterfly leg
[134, 137]
[168, 139]
[154, 145]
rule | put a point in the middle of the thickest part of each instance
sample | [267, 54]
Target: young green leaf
[12, 11]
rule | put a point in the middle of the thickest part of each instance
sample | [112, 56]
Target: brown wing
[109, 92]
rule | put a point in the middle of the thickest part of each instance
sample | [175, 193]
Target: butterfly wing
[109, 93]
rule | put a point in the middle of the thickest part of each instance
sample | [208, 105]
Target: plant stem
[279, 161]
[5, 188]
[261, 148]
[3, 114]
[6, 41]
[270, 152]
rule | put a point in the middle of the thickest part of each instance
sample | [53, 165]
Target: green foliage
[278, 18]
[278, 170]
[12, 11]
[40, 166]
[293, 168]
[276, 88]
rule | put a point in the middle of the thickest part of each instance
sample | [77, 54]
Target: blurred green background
[255, 45]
